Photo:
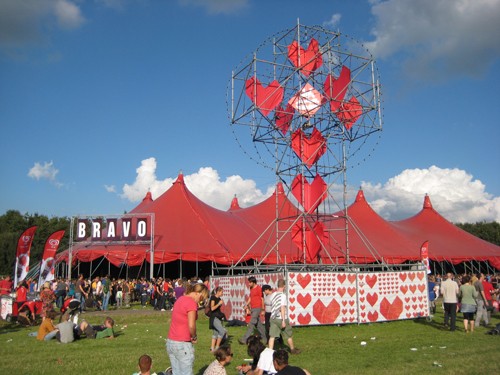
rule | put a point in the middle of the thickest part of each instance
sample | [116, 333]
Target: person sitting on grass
[47, 330]
[262, 358]
[145, 364]
[223, 356]
[280, 361]
[66, 329]
[98, 332]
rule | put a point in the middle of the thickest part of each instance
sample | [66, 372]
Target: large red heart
[373, 316]
[402, 276]
[310, 196]
[341, 277]
[314, 237]
[308, 149]
[303, 280]
[309, 60]
[391, 311]
[304, 300]
[326, 314]
[265, 98]
[283, 117]
[336, 88]
[350, 112]
[227, 309]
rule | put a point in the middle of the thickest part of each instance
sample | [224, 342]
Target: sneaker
[295, 351]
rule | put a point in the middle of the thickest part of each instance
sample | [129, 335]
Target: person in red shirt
[256, 304]
[6, 286]
[488, 289]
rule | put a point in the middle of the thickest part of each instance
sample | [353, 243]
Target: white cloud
[26, 21]
[438, 38]
[204, 184]
[47, 171]
[218, 6]
[333, 22]
[453, 193]
[110, 188]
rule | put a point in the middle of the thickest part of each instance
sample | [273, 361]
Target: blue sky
[103, 100]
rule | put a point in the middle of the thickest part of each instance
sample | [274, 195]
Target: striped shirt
[278, 299]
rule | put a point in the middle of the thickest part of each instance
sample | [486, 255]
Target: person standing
[80, 293]
[280, 325]
[6, 286]
[268, 291]
[182, 333]
[468, 295]
[216, 317]
[106, 292]
[482, 313]
[255, 303]
[449, 290]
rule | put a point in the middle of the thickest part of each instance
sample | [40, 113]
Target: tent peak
[148, 197]
[234, 203]
[180, 178]
[360, 197]
[427, 202]
[279, 188]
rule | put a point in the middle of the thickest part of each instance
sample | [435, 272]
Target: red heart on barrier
[349, 112]
[310, 196]
[307, 60]
[411, 276]
[403, 288]
[265, 98]
[351, 291]
[413, 288]
[304, 319]
[351, 278]
[391, 311]
[372, 298]
[371, 280]
[336, 88]
[341, 277]
[308, 148]
[421, 287]
[304, 280]
[402, 276]
[421, 275]
[326, 314]
[341, 291]
[304, 300]
[373, 316]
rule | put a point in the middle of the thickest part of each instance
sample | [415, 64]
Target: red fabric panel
[350, 112]
[306, 60]
[284, 118]
[310, 196]
[336, 88]
[309, 148]
[264, 98]
[314, 237]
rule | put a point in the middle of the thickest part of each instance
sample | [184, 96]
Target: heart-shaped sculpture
[264, 98]
[336, 88]
[306, 60]
[310, 196]
[313, 236]
[350, 112]
[283, 117]
[308, 149]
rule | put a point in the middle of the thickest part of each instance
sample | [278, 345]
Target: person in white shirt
[449, 290]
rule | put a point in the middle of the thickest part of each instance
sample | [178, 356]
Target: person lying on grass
[98, 332]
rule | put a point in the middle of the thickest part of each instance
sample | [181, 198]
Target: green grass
[325, 349]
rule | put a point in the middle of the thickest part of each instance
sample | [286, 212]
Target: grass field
[402, 347]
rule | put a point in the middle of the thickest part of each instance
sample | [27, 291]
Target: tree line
[13, 224]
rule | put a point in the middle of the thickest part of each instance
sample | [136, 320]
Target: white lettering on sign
[111, 229]
[81, 229]
[96, 229]
[141, 228]
[126, 228]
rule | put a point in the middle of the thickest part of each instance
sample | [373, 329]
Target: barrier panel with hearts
[317, 298]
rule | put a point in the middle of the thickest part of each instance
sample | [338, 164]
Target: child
[145, 364]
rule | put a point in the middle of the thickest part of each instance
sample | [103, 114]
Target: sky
[102, 101]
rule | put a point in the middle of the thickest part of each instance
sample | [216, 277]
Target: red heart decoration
[304, 280]
[421, 275]
[402, 276]
[304, 319]
[308, 149]
[341, 277]
[310, 196]
[391, 311]
[326, 314]
[351, 291]
[404, 288]
[265, 98]
[341, 291]
[372, 298]
[227, 309]
[283, 118]
[421, 287]
[352, 277]
[371, 280]
[312, 239]
[304, 300]
[373, 316]
[350, 112]
[411, 276]
[308, 61]
[413, 288]
[336, 88]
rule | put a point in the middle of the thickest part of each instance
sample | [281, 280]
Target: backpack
[105, 285]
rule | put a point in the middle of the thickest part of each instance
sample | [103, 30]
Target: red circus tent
[447, 242]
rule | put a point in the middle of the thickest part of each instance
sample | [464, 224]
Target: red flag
[424, 255]
[23, 255]
[48, 261]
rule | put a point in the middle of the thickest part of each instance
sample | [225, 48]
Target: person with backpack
[106, 292]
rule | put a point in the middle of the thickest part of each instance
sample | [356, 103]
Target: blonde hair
[198, 288]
